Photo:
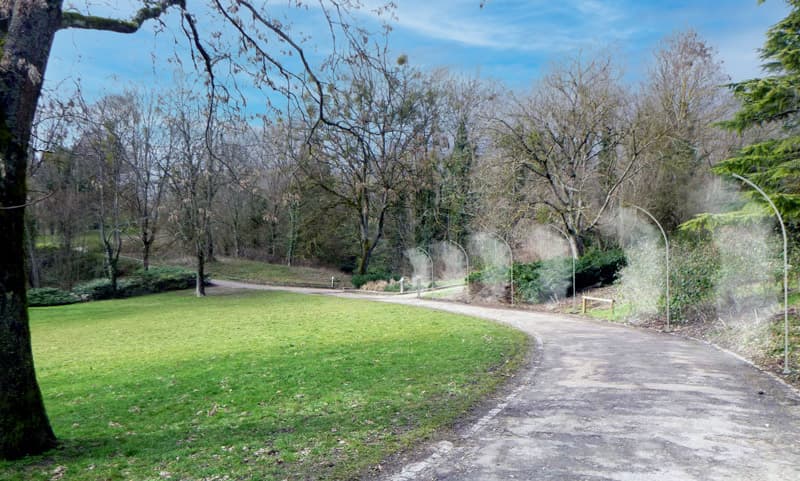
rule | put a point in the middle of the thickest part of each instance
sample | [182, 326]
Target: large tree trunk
[27, 28]
[363, 261]
[30, 239]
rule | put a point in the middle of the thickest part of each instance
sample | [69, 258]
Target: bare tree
[363, 160]
[194, 176]
[139, 129]
[100, 147]
[27, 30]
[577, 138]
[238, 197]
[685, 97]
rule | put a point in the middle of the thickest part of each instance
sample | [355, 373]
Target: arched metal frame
[666, 247]
[511, 259]
[786, 369]
[466, 258]
[430, 261]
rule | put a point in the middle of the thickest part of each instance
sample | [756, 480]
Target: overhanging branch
[90, 22]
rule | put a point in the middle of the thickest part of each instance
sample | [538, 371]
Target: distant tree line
[405, 158]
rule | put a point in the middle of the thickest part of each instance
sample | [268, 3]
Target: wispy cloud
[507, 40]
[514, 24]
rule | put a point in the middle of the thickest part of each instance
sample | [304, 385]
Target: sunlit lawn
[264, 273]
[252, 385]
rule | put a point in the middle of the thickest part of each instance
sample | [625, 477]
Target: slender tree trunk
[26, 35]
[292, 238]
[200, 287]
[209, 254]
[147, 243]
[237, 243]
[110, 261]
[577, 245]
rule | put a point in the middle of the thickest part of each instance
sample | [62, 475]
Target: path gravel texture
[607, 402]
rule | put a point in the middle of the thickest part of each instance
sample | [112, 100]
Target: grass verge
[253, 385]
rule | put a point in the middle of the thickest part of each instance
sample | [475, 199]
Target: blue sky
[512, 41]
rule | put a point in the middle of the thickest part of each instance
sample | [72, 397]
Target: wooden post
[598, 299]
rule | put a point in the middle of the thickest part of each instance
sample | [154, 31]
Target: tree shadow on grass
[307, 410]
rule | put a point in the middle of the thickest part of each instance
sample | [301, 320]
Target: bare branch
[90, 22]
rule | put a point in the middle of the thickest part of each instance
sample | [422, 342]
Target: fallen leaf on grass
[58, 473]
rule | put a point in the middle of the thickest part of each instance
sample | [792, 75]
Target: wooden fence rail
[596, 299]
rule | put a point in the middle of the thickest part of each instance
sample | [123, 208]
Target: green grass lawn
[252, 385]
[264, 273]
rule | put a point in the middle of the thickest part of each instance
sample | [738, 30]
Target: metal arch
[666, 246]
[786, 369]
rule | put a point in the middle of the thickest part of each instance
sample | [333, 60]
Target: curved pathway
[609, 402]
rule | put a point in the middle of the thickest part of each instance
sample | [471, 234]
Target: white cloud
[512, 24]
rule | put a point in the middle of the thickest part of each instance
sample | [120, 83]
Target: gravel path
[608, 402]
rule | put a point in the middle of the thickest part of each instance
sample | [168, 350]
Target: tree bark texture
[200, 286]
[27, 28]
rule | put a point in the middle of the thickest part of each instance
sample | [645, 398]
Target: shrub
[392, 286]
[543, 280]
[50, 296]
[491, 282]
[154, 280]
[598, 268]
[165, 278]
[527, 281]
[359, 280]
[375, 286]
[694, 273]
[94, 290]
[640, 283]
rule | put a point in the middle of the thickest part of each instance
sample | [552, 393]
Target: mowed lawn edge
[253, 385]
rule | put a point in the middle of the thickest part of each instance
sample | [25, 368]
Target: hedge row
[539, 281]
[359, 280]
[154, 280]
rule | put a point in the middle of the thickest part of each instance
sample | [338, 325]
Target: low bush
[491, 282]
[542, 280]
[154, 280]
[94, 290]
[359, 280]
[165, 278]
[598, 268]
[694, 274]
[50, 296]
